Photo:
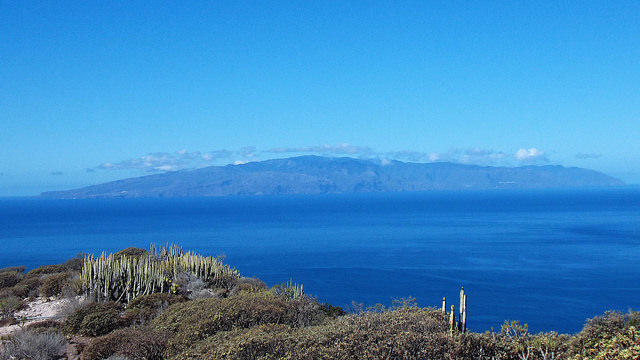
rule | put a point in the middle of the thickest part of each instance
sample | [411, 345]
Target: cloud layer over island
[183, 159]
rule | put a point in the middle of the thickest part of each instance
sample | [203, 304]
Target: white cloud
[184, 159]
[479, 156]
[476, 156]
[326, 149]
[409, 155]
[160, 161]
[180, 159]
[531, 155]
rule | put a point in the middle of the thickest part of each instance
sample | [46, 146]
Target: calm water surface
[548, 258]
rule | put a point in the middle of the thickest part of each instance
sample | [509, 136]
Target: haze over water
[548, 258]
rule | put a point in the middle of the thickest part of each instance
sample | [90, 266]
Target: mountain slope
[314, 175]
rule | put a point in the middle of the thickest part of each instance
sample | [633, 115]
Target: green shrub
[273, 340]
[140, 343]
[9, 279]
[47, 269]
[504, 345]
[28, 287]
[138, 317]
[53, 284]
[145, 308]
[97, 324]
[624, 345]
[155, 301]
[602, 335]
[403, 333]
[332, 311]
[550, 345]
[634, 318]
[107, 345]
[35, 345]
[193, 320]
[10, 305]
[94, 319]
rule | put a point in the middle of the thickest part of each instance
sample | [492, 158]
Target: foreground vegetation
[166, 304]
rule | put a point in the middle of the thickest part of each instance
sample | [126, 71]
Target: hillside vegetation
[167, 304]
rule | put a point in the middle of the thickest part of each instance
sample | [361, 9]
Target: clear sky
[95, 91]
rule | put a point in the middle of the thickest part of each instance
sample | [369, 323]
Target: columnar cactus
[123, 278]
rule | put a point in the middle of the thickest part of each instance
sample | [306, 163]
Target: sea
[548, 258]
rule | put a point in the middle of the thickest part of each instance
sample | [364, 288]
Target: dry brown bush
[134, 344]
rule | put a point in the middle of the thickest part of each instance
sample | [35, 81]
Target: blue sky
[97, 91]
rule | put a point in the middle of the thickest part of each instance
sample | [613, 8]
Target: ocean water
[549, 258]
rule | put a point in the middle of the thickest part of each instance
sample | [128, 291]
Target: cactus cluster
[123, 278]
[289, 289]
[461, 325]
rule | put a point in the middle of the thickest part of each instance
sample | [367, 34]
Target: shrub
[246, 284]
[155, 301]
[94, 319]
[273, 340]
[107, 345]
[15, 269]
[53, 284]
[74, 264]
[191, 286]
[145, 308]
[44, 325]
[634, 318]
[35, 345]
[403, 333]
[603, 334]
[332, 311]
[550, 345]
[9, 279]
[503, 345]
[47, 269]
[101, 323]
[10, 305]
[197, 319]
[28, 287]
[134, 344]
[131, 252]
[8, 321]
[621, 346]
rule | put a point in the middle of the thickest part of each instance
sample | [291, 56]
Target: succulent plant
[123, 278]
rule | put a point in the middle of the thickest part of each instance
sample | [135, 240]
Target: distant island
[321, 175]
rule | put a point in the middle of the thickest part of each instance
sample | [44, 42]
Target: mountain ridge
[315, 174]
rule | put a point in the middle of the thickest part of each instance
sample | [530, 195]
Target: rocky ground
[41, 309]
